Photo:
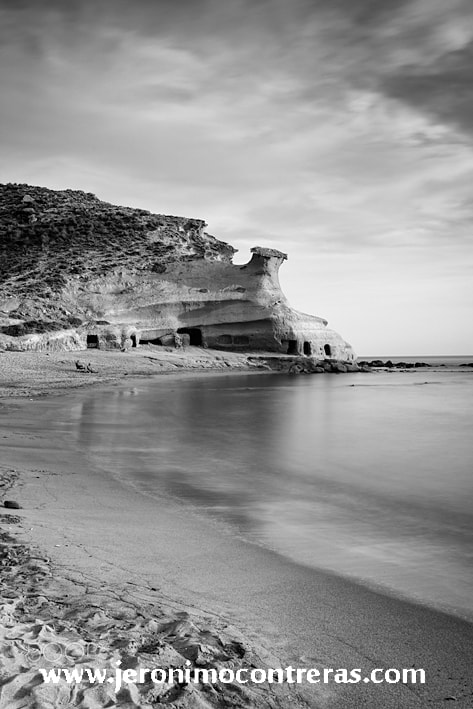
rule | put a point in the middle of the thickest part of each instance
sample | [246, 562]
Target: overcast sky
[339, 131]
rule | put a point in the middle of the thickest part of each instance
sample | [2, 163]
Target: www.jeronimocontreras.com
[197, 675]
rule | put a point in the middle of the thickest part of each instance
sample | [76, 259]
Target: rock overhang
[151, 273]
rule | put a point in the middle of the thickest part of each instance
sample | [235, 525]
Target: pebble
[12, 505]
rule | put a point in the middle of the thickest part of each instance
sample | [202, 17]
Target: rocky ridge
[49, 238]
[77, 272]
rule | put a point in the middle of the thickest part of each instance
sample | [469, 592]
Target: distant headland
[79, 273]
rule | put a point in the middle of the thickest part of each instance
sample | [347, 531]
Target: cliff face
[78, 272]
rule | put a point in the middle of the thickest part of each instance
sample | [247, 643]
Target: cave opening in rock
[292, 347]
[92, 341]
[194, 333]
[155, 341]
[307, 348]
[133, 340]
[328, 350]
[242, 340]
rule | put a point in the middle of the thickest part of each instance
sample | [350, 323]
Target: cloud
[331, 129]
[443, 89]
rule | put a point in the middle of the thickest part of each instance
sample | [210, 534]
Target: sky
[337, 131]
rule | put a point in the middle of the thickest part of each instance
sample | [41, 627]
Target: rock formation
[77, 272]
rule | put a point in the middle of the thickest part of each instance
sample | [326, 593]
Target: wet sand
[190, 573]
[32, 374]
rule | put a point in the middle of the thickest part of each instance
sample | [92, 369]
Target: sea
[365, 475]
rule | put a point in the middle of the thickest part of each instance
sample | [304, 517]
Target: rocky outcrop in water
[379, 364]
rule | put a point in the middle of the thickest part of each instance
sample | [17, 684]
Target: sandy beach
[30, 374]
[99, 572]
[236, 369]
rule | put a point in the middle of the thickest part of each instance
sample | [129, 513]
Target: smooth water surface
[366, 475]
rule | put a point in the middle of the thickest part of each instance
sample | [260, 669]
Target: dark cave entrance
[194, 333]
[92, 342]
[242, 340]
[145, 341]
[328, 350]
[292, 347]
[133, 340]
[225, 340]
[307, 348]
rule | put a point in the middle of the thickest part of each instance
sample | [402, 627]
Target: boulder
[167, 340]
[298, 368]
[339, 368]
[352, 367]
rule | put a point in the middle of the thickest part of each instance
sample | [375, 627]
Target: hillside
[49, 237]
[76, 272]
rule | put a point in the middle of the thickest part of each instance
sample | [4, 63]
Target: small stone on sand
[12, 505]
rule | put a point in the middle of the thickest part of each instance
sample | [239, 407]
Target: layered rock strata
[77, 272]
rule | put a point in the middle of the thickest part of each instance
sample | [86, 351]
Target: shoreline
[49, 615]
[55, 490]
[39, 374]
[31, 375]
[52, 587]
[78, 395]
[352, 625]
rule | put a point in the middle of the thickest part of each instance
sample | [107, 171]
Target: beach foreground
[99, 572]
[54, 615]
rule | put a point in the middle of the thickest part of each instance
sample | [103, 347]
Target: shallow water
[369, 476]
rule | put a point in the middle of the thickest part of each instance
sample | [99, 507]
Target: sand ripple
[51, 618]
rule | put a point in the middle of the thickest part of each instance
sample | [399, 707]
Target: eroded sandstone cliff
[78, 272]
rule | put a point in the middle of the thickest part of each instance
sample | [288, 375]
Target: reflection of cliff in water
[310, 467]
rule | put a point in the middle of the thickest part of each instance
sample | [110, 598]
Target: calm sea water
[365, 475]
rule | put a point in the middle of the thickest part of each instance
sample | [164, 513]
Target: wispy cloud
[339, 131]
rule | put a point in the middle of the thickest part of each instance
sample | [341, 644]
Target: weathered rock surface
[77, 272]
[302, 365]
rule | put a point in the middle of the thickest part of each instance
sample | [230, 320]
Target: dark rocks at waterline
[304, 365]
[378, 364]
[339, 367]
[353, 367]
[317, 367]
[468, 364]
